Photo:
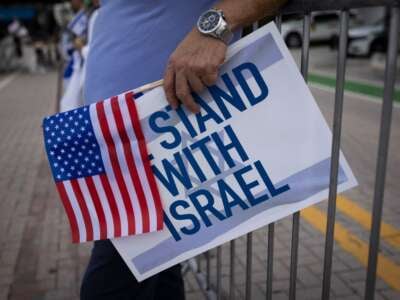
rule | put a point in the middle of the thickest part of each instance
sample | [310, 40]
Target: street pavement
[38, 261]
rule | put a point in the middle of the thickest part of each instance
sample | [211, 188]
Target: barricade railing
[214, 290]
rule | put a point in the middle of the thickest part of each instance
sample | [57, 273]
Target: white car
[324, 28]
[367, 40]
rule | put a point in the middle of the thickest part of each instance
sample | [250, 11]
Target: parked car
[324, 28]
[367, 40]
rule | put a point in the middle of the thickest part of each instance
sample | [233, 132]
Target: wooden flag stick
[149, 86]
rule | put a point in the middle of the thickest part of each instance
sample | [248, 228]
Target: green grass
[353, 86]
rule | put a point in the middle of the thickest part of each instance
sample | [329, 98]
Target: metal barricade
[215, 290]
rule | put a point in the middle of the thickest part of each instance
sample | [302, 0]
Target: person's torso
[132, 41]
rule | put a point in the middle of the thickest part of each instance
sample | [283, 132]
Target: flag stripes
[156, 204]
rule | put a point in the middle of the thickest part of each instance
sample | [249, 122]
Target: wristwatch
[212, 23]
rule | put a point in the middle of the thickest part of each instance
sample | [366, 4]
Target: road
[39, 262]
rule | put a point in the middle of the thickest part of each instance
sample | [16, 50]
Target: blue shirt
[132, 41]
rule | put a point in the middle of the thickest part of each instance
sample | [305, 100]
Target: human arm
[196, 61]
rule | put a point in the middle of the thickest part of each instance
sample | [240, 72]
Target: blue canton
[71, 145]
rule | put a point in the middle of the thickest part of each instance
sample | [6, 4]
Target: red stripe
[145, 157]
[113, 205]
[84, 209]
[131, 163]
[69, 210]
[105, 129]
[97, 205]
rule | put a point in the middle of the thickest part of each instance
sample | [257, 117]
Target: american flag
[100, 163]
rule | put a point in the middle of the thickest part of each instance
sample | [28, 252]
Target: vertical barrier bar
[219, 268]
[296, 216]
[208, 270]
[384, 136]
[249, 265]
[232, 271]
[270, 257]
[335, 153]
[271, 227]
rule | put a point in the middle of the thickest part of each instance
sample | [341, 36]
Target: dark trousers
[108, 277]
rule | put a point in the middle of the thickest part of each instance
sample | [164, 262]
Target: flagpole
[149, 86]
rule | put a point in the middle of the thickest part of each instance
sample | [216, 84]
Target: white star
[93, 145]
[71, 118]
[72, 168]
[85, 109]
[61, 120]
[80, 116]
[69, 155]
[76, 123]
[55, 146]
[55, 165]
[86, 141]
[72, 130]
[51, 121]
[68, 137]
[53, 134]
[76, 143]
[58, 139]
[79, 135]
[86, 158]
[100, 169]
[79, 153]
[62, 132]
[62, 151]
[72, 149]
[97, 157]
[82, 166]
[79, 173]
[89, 134]
[93, 164]
[86, 121]
[51, 152]
[83, 147]
[66, 125]
[89, 171]
[62, 170]
[66, 113]
[90, 152]
[69, 175]
[59, 157]
[76, 160]
[58, 176]
[56, 127]
[65, 163]
[75, 111]
[82, 128]
[47, 128]
[49, 141]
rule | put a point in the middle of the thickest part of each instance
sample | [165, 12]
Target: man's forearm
[239, 13]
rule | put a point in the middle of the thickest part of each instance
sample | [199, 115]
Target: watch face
[209, 21]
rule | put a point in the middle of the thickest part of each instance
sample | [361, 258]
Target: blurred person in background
[76, 28]
[137, 42]
[73, 97]
[19, 32]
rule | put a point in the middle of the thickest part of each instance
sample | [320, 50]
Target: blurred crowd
[39, 37]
